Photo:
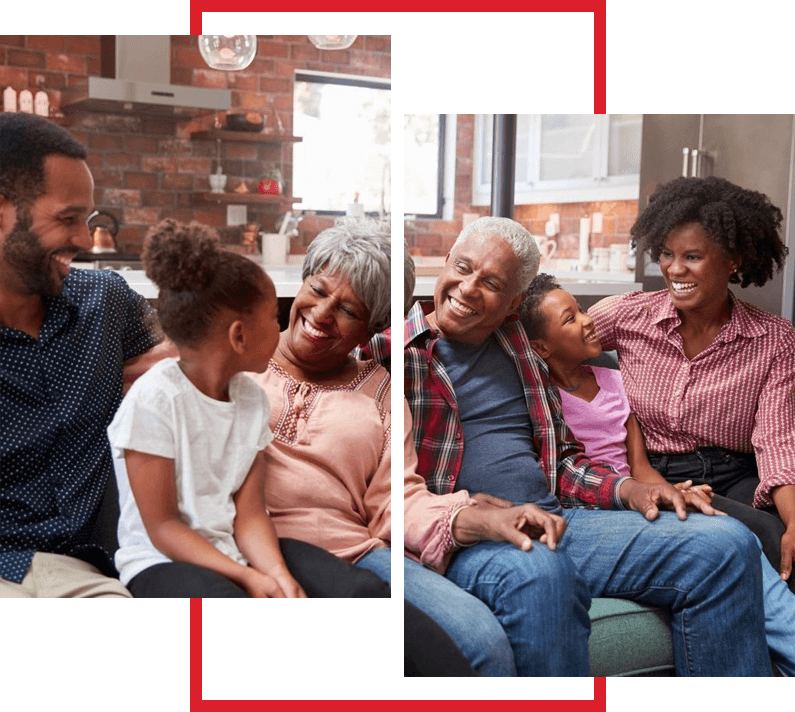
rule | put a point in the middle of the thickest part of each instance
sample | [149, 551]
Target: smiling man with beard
[66, 339]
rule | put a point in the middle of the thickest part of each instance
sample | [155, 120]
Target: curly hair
[530, 309]
[25, 142]
[743, 223]
[197, 278]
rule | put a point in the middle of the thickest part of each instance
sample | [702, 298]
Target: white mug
[545, 247]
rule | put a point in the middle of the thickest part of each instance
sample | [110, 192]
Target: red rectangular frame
[197, 704]
[597, 7]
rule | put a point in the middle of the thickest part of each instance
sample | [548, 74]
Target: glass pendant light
[228, 52]
[332, 41]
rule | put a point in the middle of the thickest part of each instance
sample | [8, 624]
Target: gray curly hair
[359, 248]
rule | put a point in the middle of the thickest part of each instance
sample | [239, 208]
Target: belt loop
[706, 464]
[662, 465]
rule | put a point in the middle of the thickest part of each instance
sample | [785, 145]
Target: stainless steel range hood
[136, 71]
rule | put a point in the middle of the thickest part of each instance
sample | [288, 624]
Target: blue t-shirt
[499, 454]
[58, 394]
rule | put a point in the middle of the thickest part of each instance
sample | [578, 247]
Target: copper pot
[104, 235]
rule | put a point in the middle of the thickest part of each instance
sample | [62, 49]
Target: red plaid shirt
[738, 393]
[439, 435]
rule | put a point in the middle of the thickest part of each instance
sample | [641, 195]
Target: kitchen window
[344, 157]
[565, 158]
[424, 164]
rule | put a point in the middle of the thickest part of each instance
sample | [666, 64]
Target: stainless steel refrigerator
[755, 151]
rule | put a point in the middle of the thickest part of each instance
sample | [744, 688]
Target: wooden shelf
[247, 198]
[244, 136]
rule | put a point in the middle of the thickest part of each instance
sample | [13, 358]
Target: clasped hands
[495, 519]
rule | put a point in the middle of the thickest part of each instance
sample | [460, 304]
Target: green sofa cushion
[629, 638]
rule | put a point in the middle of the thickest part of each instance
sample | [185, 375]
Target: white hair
[520, 240]
[359, 248]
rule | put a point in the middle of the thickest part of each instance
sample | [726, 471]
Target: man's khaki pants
[58, 576]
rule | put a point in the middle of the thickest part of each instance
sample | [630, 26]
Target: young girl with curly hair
[188, 439]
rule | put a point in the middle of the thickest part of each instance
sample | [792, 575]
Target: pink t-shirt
[601, 425]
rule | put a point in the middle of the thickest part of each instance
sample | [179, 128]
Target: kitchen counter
[580, 284]
[578, 287]
[287, 279]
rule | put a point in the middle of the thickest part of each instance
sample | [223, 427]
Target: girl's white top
[212, 443]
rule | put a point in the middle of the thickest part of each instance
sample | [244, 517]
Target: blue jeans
[733, 477]
[379, 561]
[706, 571]
[469, 622]
[779, 619]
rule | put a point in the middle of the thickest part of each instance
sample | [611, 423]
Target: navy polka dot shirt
[58, 394]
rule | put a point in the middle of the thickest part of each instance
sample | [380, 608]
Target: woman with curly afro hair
[711, 378]
[743, 224]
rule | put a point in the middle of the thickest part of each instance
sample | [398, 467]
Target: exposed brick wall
[435, 237]
[147, 169]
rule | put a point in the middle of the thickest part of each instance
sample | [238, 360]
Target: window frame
[440, 176]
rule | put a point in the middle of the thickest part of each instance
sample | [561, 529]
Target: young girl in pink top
[594, 402]
[596, 408]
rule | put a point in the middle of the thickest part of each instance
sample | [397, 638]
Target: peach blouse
[327, 476]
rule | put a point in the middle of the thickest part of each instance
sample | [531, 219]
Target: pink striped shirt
[738, 394]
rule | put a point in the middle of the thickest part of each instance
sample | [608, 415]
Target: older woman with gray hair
[328, 468]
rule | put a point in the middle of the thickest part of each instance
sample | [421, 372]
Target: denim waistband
[709, 453]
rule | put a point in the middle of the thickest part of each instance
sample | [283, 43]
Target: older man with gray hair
[488, 420]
